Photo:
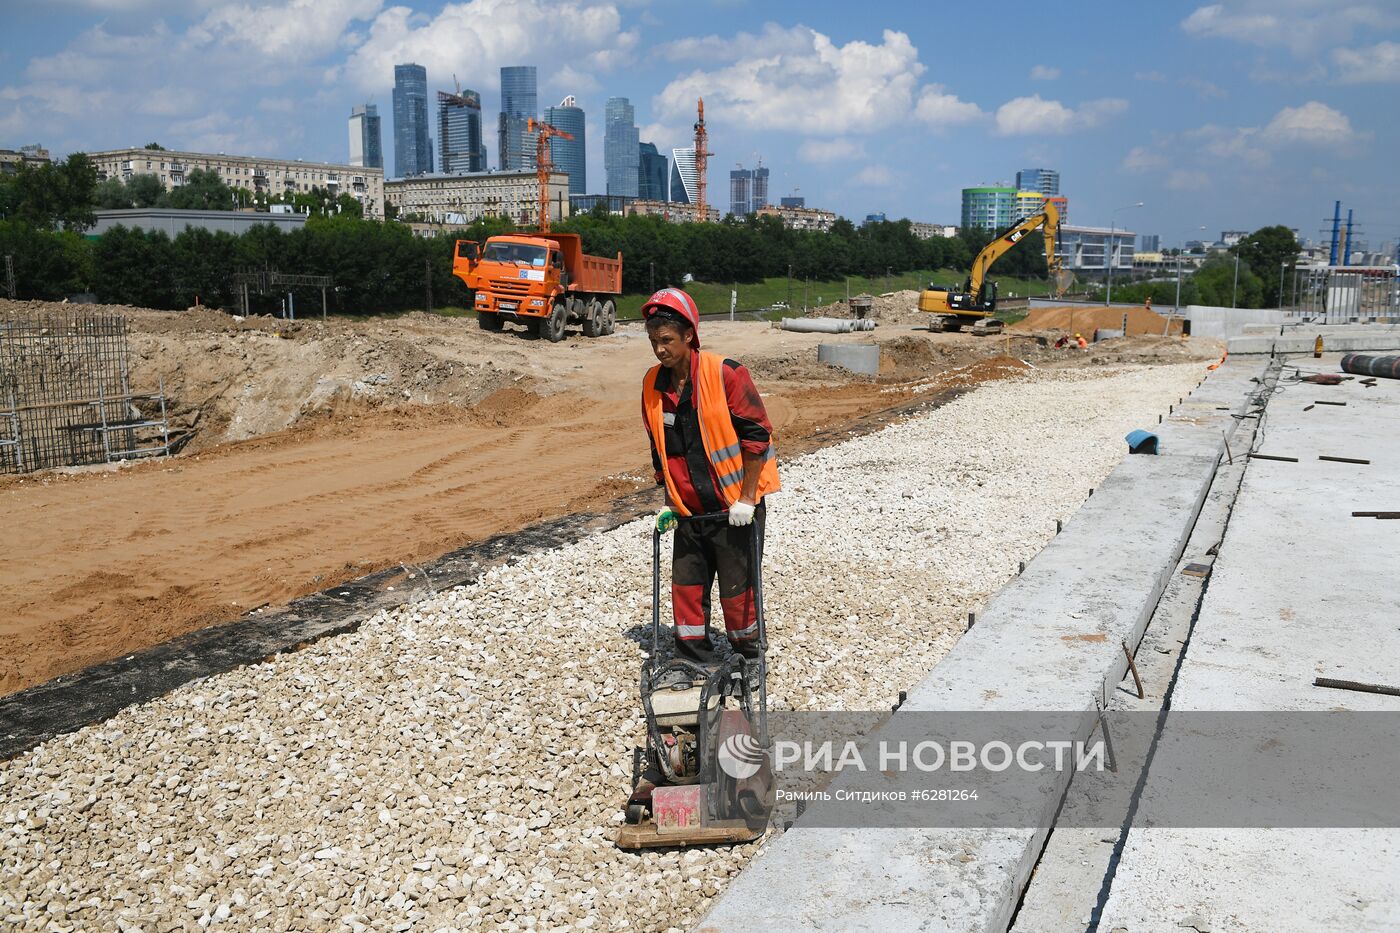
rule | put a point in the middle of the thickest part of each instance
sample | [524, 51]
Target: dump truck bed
[587, 273]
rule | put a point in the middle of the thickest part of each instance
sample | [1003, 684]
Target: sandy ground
[320, 452]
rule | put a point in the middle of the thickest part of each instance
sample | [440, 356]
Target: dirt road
[509, 431]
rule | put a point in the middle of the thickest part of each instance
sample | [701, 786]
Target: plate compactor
[704, 776]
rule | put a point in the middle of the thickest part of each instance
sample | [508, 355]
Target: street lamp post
[1108, 251]
[1177, 306]
[1281, 267]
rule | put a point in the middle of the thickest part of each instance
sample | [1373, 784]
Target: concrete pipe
[1387, 367]
[826, 325]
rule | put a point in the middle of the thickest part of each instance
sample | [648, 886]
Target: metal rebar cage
[65, 394]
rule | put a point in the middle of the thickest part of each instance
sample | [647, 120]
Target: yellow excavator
[976, 302]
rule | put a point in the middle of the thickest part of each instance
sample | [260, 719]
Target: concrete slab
[1210, 321]
[1300, 589]
[1050, 640]
[857, 357]
[1335, 338]
[1064, 892]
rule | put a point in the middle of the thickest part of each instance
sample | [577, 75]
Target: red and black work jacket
[689, 465]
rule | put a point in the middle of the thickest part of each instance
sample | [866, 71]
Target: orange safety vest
[716, 431]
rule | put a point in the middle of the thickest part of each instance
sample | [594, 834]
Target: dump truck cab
[542, 280]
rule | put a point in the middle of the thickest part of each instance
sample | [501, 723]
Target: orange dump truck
[542, 280]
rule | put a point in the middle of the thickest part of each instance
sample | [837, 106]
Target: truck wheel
[593, 320]
[552, 327]
[609, 317]
[488, 320]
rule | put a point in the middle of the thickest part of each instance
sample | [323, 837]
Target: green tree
[156, 146]
[54, 195]
[347, 205]
[136, 268]
[47, 265]
[146, 190]
[202, 267]
[1267, 251]
[1215, 285]
[112, 194]
[203, 190]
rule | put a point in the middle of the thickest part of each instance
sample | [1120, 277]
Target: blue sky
[1228, 115]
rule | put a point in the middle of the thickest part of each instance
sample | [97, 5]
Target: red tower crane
[544, 164]
[702, 140]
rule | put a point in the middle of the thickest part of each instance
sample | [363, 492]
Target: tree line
[1248, 276]
[382, 267]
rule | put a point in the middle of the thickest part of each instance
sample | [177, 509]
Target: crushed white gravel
[461, 762]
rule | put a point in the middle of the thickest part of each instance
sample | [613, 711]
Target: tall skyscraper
[366, 141]
[413, 150]
[459, 132]
[683, 175]
[759, 195]
[569, 154]
[740, 191]
[519, 104]
[1044, 180]
[651, 173]
[620, 147]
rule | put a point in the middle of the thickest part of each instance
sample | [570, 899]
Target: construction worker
[1080, 342]
[711, 447]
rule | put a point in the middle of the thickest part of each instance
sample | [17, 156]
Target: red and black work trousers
[703, 551]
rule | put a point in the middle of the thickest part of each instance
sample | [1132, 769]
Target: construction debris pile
[900, 307]
[461, 761]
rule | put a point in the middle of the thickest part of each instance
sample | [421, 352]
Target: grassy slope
[712, 297]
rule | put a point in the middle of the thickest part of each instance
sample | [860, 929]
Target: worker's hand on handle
[666, 519]
[741, 514]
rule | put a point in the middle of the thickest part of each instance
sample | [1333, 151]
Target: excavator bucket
[1064, 278]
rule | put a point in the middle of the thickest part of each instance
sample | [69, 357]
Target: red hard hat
[675, 300]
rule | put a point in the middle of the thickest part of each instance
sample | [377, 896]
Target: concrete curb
[1050, 640]
[1335, 338]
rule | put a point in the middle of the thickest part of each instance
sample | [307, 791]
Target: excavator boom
[1047, 221]
[978, 297]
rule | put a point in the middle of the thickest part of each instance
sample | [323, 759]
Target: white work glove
[741, 514]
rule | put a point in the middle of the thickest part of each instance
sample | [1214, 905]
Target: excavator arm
[1047, 221]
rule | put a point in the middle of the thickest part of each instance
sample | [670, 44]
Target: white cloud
[774, 39]
[1044, 73]
[876, 176]
[1203, 88]
[298, 27]
[1217, 22]
[939, 108]
[1226, 143]
[666, 136]
[830, 150]
[483, 35]
[1299, 25]
[1034, 115]
[1314, 124]
[1311, 125]
[820, 88]
[1141, 159]
[1187, 180]
[1375, 63]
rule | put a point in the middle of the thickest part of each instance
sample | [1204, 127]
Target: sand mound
[1084, 320]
